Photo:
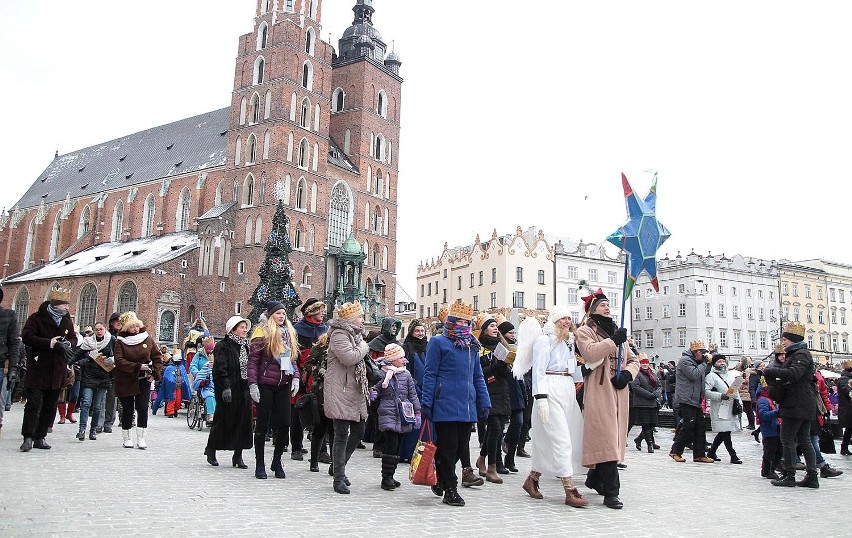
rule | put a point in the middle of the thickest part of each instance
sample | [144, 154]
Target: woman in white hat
[231, 428]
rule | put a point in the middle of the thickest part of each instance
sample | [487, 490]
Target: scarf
[459, 333]
[795, 347]
[390, 371]
[652, 379]
[415, 345]
[309, 329]
[242, 342]
[55, 314]
[93, 345]
[133, 339]
[488, 342]
[605, 323]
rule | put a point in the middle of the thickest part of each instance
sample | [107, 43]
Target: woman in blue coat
[414, 346]
[454, 395]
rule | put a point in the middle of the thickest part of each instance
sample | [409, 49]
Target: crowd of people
[575, 387]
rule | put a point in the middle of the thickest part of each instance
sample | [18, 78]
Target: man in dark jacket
[691, 371]
[49, 333]
[8, 351]
[797, 399]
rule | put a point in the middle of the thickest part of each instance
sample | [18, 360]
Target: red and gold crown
[461, 311]
[794, 327]
[350, 311]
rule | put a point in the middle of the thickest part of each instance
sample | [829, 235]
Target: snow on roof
[136, 255]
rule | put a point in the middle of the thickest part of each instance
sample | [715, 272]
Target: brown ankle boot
[572, 496]
[469, 478]
[491, 474]
[531, 485]
[480, 465]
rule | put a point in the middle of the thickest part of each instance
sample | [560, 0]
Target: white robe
[556, 445]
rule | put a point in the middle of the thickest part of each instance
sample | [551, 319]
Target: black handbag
[308, 409]
[374, 374]
[826, 440]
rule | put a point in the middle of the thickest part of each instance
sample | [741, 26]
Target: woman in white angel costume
[557, 422]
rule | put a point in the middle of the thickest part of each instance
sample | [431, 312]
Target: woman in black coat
[231, 428]
[844, 406]
[497, 376]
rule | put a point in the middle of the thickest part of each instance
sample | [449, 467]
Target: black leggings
[723, 437]
[274, 406]
[324, 427]
[493, 436]
[748, 407]
[453, 440]
[139, 403]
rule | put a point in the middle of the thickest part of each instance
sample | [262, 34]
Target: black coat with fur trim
[47, 367]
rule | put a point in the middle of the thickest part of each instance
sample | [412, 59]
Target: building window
[518, 299]
[649, 338]
[182, 219]
[493, 277]
[761, 314]
[763, 341]
[572, 296]
[667, 311]
[612, 297]
[681, 288]
[637, 339]
[460, 279]
[681, 337]
[472, 279]
[834, 317]
[665, 290]
[572, 272]
[309, 41]
[723, 338]
[305, 114]
[422, 290]
[738, 339]
[784, 289]
[734, 291]
[117, 222]
[750, 312]
[147, 222]
[667, 338]
[752, 339]
[821, 317]
[819, 294]
[649, 312]
[493, 299]
[709, 336]
[638, 293]
[681, 309]
[593, 275]
[382, 104]
[822, 342]
[843, 317]
[721, 311]
[708, 310]
[831, 295]
[444, 292]
[760, 294]
[541, 277]
[807, 291]
[22, 307]
[339, 216]
[476, 302]
[637, 314]
[339, 100]
[307, 75]
[795, 289]
[167, 326]
[304, 154]
[541, 301]
[241, 267]
[735, 311]
[259, 66]
[88, 306]
[612, 277]
[795, 313]
[127, 297]
[519, 274]
[480, 278]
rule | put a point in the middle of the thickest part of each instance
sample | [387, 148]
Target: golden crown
[779, 348]
[794, 327]
[442, 313]
[59, 294]
[461, 311]
[697, 345]
[351, 310]
[480, 318]
[499, 318]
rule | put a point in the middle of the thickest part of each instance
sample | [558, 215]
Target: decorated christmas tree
[276, 273]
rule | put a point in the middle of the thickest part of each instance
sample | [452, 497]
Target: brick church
[171, 222]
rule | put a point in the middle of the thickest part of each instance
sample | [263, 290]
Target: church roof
[137, 255]
[185, 146]
[217, 211]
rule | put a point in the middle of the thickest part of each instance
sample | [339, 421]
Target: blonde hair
[564, 335]
[274, 339]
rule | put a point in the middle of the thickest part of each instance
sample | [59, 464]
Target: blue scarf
[795, 347]
[56, 314]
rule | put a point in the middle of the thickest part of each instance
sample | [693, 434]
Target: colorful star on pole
[641, 236]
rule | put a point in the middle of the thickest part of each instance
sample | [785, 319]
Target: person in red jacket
[823, 405]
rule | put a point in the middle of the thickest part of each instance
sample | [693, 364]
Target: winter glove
[373, 395]
[54, 340]
[294, 387]
[619, 381]
[426, 413]
[484, 412]
[226, 395]
[543, 410]
[254, 392]
[725, 397]
[13, 375]
[620, 336]
[418, 421]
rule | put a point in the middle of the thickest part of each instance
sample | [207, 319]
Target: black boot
[340, 487]
[237, 460]
[388, 469]
[276, 466]
[788, 479]
[638, 442]
[509, 462]
[649, 439]
[27, 445]
[211, 457]
[259, 465]
[452, 497]
[811, 480]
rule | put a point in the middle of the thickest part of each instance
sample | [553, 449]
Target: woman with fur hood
[557, 421]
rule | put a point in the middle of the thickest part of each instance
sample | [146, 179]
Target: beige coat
[605, 410]
[343, 395]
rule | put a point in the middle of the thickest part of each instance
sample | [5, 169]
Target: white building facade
[835, 343]
[733, 304]
[510, 271]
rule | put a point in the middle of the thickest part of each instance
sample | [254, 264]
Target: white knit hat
[233, 321]
[558, 312]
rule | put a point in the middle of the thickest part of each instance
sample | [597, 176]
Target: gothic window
[377, 220]
[243, 107]
[304, 153]
[22, 306]
[127, 297]
[308, 75]
[310, 39]
[262, 35]
[258, 230]
[306, 276]
[312, 11]
[255, 108]
[148, 217]
[338, 99]
[385, 258]
[28, 251]
[264, 8]
[382, 104]
[376, 253]
[88, 305]
[117, 221]
[297, 236]
[167, 326]
[267, 141]
[54, 237]
[251, 149]
[339, 215]
[182, 217]
[301, 195]
[262, 197]
[259, 66]
[85, 223]
[267, 104]
[379, 150]
[249, 232]
[238, 151]
[379, 187]
[248, 191]
[305, 115]
[311, 238]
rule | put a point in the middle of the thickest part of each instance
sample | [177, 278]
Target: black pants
[274, 407]
[453, 440]
[391, 442]
[493, 435]
[297, 433]
[847, 438]
[797, 431]
[748, 407]
[139, 403]
[109, 408]
[347, 435]
[723, 437]
[771, 454]
[604, 478]
[525, 429]
[324, 427]
[513, 435]
[691, 429]
[39, 412]
[670, 398]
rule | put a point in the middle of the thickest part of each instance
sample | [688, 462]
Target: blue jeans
[86, 402]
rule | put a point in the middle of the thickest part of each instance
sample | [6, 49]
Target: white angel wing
[528, 331]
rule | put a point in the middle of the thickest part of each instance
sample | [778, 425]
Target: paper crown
[350, 311]
[588, 300]
[461, 311]
[794, 327]
[128, 319]
[499, 318]
[59, 294]
[480, 318]
[779, 348]
[442, 313]
[697, 345]
[393, 352]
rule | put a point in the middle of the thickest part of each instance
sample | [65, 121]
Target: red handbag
[422, 471]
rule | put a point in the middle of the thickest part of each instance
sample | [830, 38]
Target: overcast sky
[513, 114]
